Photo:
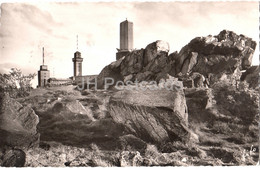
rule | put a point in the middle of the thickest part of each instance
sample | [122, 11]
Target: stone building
[59, 82]
[43, 73]
[43, 76]
[126, 39]
[79, 80]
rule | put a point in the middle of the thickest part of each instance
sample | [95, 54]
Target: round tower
[77, 64]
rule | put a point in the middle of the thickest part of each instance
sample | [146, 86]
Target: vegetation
[16, 83]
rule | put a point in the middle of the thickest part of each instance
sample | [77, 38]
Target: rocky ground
[212, 118]
[96, 129]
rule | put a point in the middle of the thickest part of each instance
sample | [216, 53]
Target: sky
[27, 27]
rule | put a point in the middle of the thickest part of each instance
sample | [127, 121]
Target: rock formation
[142, 65]
[224, 54]
[17, 124]
[154, 116]
[155, 49]
[71, 123]
[214, 57]
[227, 48]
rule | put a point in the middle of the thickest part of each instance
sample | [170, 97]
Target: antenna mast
[42, 55]
[77, 43]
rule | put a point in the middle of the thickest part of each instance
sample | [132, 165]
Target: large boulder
[199, 103]
[120, 70]
[111, 71]
[70, 122]
[189, 63]
[222, 103]
[72, 108]
[154, 49]
[223, 53]
[133, 63]
[154, 116]
[157, 64]
[17, 124]
[251, 76]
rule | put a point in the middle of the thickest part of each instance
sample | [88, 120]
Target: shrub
[15, 83]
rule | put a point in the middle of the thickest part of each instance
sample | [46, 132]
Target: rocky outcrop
[111, 71]
[251, 76]
[224, 117]
[154, 49]
[142, 65]
[222, 103]
[214, 57]
[154, 116]
[71, 123]
[219, 54]
[133, 63]
[17, 124]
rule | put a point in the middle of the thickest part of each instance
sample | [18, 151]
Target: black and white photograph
[129, 83]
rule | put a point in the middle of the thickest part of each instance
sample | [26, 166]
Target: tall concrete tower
[126, 35]
[126, 39]
[77, 63]
[43, 73]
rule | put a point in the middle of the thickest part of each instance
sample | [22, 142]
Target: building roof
[126, 21]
